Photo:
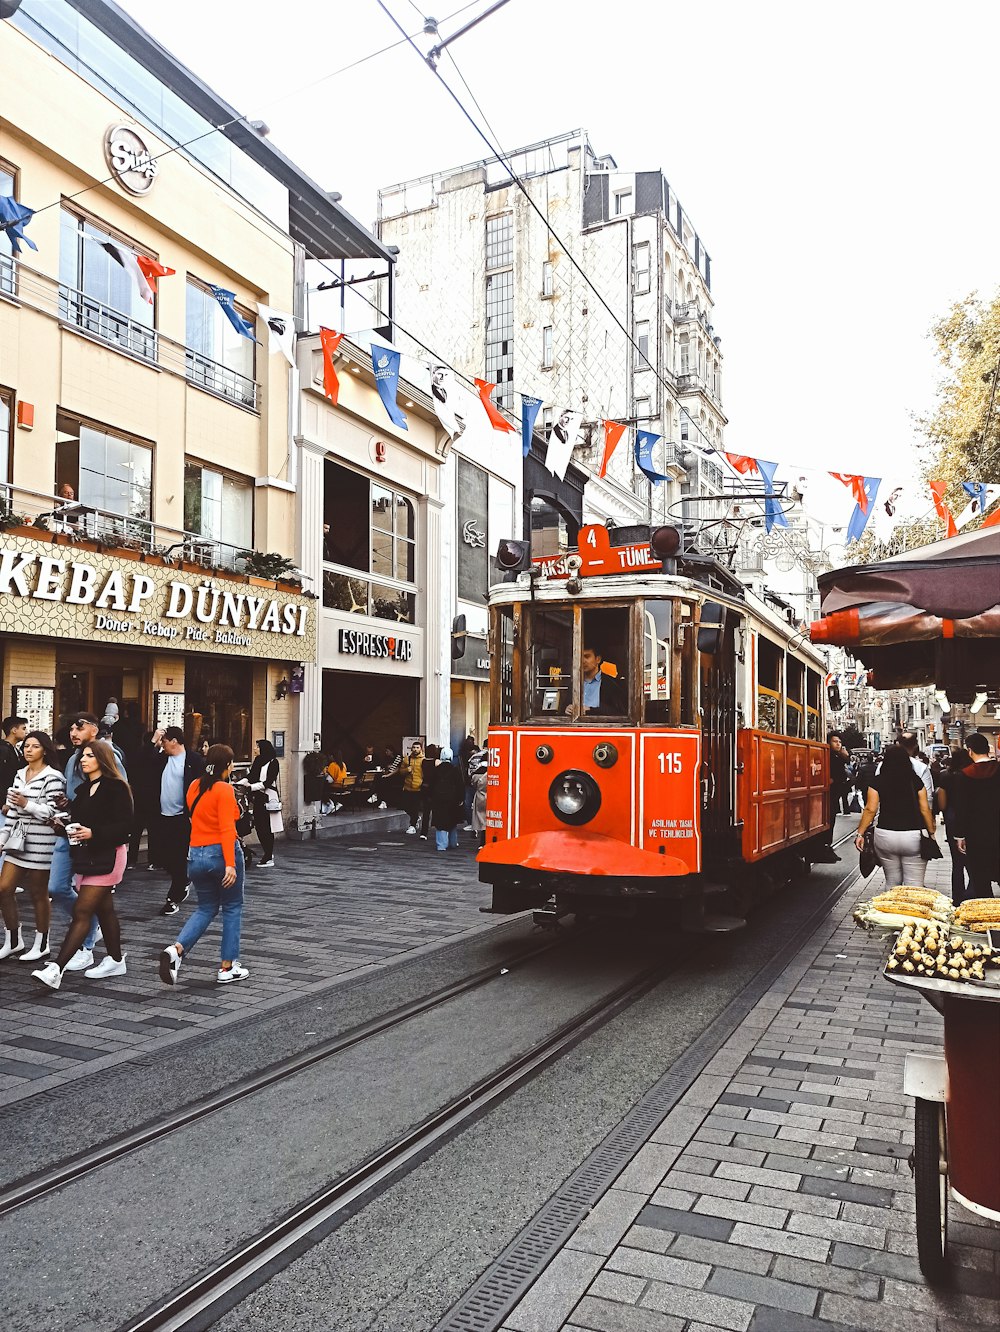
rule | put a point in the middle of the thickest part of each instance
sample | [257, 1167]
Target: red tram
[658, 736]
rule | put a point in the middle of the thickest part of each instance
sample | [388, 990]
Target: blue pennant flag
[14, 217]
[226, 298]
[859, 518]
[529, 410]
[385, 364]
[976, 491]
[774, 514]
[644, 441]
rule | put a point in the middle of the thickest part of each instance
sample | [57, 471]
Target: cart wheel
[930, 1172]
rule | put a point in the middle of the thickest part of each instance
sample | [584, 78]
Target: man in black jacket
[976, 825]
[14, 731]
[178, 767]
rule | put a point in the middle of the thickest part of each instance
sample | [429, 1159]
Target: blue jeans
[445, 838]
[206, 866]
[61, 888]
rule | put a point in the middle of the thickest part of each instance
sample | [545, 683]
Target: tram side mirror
[711, 628]
[513, 556]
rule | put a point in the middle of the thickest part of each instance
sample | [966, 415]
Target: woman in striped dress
[30, 804]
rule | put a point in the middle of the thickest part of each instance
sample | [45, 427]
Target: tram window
[656, 637]
[768, 685]
[604, 661]
[503, 666]
[795, 673]
[551, 680]
[814, 686]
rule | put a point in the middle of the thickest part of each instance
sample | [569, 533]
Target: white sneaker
[423, 837]
[411, 832]
[236, 972]
[468, 828]
[170, 965]
[382, 805]
[266, 864]
[81, 960]
[109, 967]
[326, 807]
[49, 975]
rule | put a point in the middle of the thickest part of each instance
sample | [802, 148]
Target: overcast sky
[836, 159]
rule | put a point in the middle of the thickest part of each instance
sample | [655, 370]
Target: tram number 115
[670, 762]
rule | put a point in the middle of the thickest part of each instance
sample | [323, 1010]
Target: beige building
[146, 442]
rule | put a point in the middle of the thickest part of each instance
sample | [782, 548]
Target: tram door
[717, 631]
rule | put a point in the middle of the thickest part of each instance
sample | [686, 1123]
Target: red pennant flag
[613, 431]
[486, 394]
[151, 270]
[943, 512]
[856, 485]
[744, 465]
[330, 341]
[992, 521]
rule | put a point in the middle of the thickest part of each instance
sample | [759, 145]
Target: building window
[218, 358]
[684, 353]
[108, 472]
[6, 431]
[685, 427]
[369, 531]
[623, 203]
[641, 269]
[642, 409]
[547, 354]
[96, 293]
[641, 350]
[548, 278]
[500, 335]
[546, 421]
[220, 508]
[8, 278]
[499, 241]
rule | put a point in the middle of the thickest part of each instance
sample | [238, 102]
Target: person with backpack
[215, 866]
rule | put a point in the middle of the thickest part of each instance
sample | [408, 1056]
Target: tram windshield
[551, 681]
[604, 661]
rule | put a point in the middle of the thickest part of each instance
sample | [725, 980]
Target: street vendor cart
[956, 1152]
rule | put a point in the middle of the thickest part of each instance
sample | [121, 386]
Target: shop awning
[929, 616]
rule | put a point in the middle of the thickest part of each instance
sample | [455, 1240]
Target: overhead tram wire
[516, 180]
[235, 120]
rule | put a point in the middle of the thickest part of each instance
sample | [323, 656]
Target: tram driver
[603, 694]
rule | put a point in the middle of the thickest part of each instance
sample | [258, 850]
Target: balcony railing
[75, 308]
[102, 527]
[110, 325]
[683, 314]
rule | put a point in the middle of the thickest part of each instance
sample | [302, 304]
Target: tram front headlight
[574, 797]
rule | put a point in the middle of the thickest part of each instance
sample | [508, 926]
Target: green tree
[963, 430]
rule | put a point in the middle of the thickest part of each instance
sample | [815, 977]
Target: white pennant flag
[280, 332]
[451, 410]
[973, 508]
[893, 504]
[562, 439]
[128, 261]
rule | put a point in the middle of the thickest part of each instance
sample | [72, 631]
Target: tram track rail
[40, 1184]
[196, 1305]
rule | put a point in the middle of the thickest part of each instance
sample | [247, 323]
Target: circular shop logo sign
[131, 163]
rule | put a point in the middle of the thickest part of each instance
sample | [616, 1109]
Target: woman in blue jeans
[215, 867]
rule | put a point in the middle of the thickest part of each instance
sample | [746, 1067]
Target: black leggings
[262, 825]
[92, 900]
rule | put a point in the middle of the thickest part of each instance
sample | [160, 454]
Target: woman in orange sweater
[215, 867]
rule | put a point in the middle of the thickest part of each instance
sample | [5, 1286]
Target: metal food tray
[934, 989]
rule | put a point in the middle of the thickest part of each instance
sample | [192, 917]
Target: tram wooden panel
[783, 791]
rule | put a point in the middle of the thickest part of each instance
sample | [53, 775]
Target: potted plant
[265, 569]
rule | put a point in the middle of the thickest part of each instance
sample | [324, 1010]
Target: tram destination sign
[598, 556]
[57, 593]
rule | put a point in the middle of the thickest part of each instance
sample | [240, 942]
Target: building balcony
[76, 309]
[686, 313]
[27, 513]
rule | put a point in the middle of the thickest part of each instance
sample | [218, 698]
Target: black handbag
[866, 856]
[92, 861]
[929, 849]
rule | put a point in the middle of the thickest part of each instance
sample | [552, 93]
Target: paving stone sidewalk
[776, 1196]
[327, 909]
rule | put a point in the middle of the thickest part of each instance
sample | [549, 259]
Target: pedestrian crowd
[900, 796]
[73, 811]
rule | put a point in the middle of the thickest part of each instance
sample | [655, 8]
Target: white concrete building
[491, 288]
